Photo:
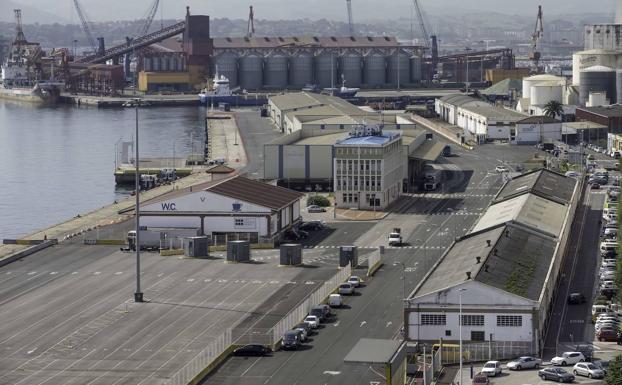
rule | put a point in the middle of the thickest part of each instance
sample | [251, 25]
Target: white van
[335, 300]
[600, 309]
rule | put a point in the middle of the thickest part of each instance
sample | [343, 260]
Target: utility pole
[350, 20]
[138, 295]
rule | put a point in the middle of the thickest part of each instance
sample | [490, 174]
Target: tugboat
[343, 92]
[222, 93]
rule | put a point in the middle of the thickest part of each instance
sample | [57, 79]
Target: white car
[588, 370]
[524, 363]
[313, 321]
[346, 288]
[492, 368]
[316, 209]
[568, 358]
[502, 169]
[395, 239]
[355, 281]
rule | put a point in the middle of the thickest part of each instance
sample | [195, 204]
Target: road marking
[389, 324]
[336, 323]
[53, 272]
[363, 323]
[118, 273]
[307, 283]
[32, 351]
[74, 273]
[97, 273]
[32, 273]
[190, 280]
[332, 372]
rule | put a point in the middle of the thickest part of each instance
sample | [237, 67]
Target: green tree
[553, 108]
[319, 200]
[614, 371]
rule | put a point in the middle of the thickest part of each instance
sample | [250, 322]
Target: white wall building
[233, 208]
[536, 129]
[369, 169]
[485, 123]
[504, 272]
[447, 106]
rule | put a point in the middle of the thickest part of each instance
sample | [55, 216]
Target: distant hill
[30, 14]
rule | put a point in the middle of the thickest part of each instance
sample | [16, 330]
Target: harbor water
[58, 161]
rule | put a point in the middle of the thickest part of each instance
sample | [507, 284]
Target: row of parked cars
[613, 153]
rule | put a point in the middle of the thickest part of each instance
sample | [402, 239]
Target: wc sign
[169, 206]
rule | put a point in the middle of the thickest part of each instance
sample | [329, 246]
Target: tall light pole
[138, 295]
[460, 329]
[466, 83]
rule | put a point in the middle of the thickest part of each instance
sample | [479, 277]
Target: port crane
[86, 25]
[250, 29]
[429, 42]
[536, 39]
[151, 12]
[350, 20]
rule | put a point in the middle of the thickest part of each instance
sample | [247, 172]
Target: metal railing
[486, 351]
[201, 361]
[296, 315]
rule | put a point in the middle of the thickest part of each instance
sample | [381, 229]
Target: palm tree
[553, 108]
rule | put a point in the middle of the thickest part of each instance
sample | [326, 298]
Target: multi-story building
[369, 168]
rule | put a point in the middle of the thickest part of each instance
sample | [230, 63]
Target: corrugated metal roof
[288, 102]
[460, 99]
[429, 150]
[544, 183]
[539, 119]
[493, 112]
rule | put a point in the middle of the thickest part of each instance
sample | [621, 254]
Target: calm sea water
[56, 162]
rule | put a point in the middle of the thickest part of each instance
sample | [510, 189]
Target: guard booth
[387, 358]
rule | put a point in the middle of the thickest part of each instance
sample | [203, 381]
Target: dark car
[480, 379]
[607, 334]
[595, 186]
[319, 312]
[305, 326]
[312, 225]
[576, 298]
[291, 339]
[555, 374]
[251, 350]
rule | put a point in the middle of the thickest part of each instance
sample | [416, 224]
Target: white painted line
[32, 351]
[363, 324]
[118, 273]
[331, 372]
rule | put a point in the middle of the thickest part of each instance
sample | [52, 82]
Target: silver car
[525, 362]
[588, 370]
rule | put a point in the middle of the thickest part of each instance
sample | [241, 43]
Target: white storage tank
[275, 72]
[226, 64]
[375, 70]
[531, 80]
[399, 62]
[594, 57]
[595, 79]
[544, 92]
[300, 70]
[251, 72]
[351, 69]
[325, 69]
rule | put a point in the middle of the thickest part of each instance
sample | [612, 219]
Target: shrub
[318, 200]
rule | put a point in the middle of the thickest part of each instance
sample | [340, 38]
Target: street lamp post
[467, 84]
[460, 329]
[138, 295]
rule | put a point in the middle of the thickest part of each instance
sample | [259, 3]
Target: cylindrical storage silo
[619, 86]
[544, 92]
[275, 72]
[226, 64]
[594, 57]
[415, 69]
[300, 70]
[251, 72]
[595, 79]
[375, 72]
[399, 64]
[351, 70]
[326, 71]
[536, 79]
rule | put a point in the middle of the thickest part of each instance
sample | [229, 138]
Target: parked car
[318, 311]
[306, 327]
[355, 281]
[335, 300]
[316, 209]
[292, 339]
[313, 225]
[568, 358]
[555, 374]
[595, 186]
[313, 321]
[588, 370]
[525, 362]
[492, 368]
[303, 333]
[602, 365]
[608, 334]
[502, 169]
[576, 298]
[346, 288]
[252, 350]
[480, 379]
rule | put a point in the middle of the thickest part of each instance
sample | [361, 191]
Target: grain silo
[351, 69]
[399, 69]
[300, 70]
[375, 72]
[594, 57]
[275, 72]
[416, 73]
[326, 70]
[226, 64]
[597, 79]
[251, 72]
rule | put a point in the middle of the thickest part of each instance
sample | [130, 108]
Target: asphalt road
[255, 132]
[68, 315]
[429, 223]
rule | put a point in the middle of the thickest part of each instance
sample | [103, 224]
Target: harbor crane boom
[422, 25]
[85, 25]
[350, 20]
[250, 29]
[153, 9]
[536, 38]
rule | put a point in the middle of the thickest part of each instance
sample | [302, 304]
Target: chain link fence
[486, 351]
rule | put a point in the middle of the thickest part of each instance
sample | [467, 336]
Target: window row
[473, 320]
[350, 165]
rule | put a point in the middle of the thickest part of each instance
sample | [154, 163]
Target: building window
[509, 320]
[341, 127]
[478, 336]
[447, 333]
[239, 222]
[433, 319]
[322, 126]
[473, 320]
